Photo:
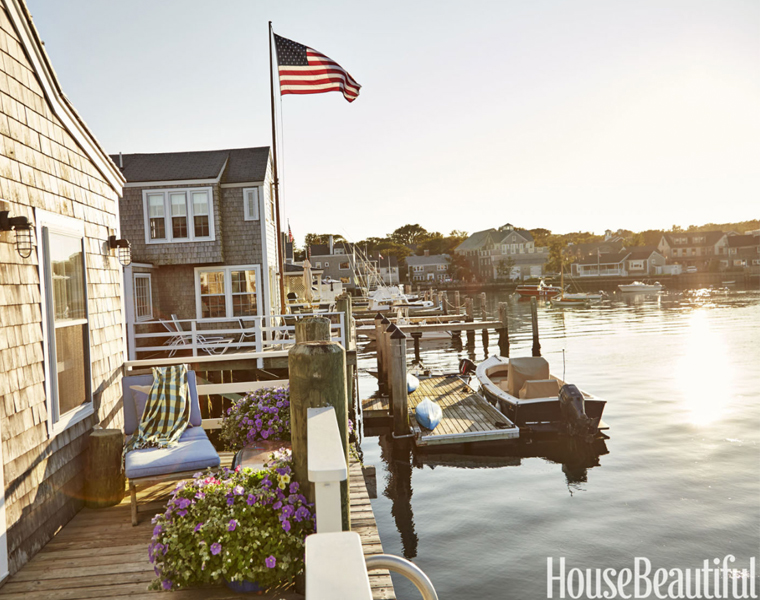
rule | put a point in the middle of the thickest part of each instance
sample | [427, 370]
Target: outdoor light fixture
[123, 250]
[23, 229]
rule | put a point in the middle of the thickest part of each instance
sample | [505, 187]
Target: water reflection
[398, 490]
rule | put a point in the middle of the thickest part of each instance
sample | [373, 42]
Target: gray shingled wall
[42, 167]
[242, 239]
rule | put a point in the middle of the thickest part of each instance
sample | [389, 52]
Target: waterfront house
[336, 261]
[61, 318]
[743, 253]
[643, 261]
[694, 248]
[203, 232]
[433, 268]
[386, 267]
[602, 265]
[505, 252]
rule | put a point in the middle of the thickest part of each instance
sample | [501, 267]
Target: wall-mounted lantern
[123, 250]
[23, 229]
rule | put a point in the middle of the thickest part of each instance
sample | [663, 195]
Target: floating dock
[467, 416]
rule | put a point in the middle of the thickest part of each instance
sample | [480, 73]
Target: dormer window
[178, 215]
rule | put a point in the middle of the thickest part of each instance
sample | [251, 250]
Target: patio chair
[184, 339]
[148, 466]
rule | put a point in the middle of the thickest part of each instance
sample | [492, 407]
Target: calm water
[678, 481]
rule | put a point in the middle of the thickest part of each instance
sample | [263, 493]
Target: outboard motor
[467, 367]
[572, 407]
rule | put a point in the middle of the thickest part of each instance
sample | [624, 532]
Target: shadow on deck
[98, 554]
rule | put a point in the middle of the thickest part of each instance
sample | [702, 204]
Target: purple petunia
[232, 525]
[198, 527]
[293, 487]
[181, 513]
[286, 525]
[270, 561]
[182, 503]
[277, 505]
[216, 548]
[251, 500]
[230, 500]
[166, 584]
[157, 529]
[238, 490]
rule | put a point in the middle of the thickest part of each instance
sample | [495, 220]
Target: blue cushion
[135, 400]
[193, 452]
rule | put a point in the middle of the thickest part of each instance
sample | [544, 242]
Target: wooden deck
[467, 416]
[98, 554]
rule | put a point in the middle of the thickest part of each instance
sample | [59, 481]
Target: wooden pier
[99, 554]
[467, 416]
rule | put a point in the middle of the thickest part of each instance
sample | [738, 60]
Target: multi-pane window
[344, 266]
[251, 204]
[143, 297]
[178, 215]
[66, 320]
[223, 292]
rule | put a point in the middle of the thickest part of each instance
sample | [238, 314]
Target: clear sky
[568, 115]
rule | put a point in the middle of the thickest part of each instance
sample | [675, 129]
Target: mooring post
[457, 301]
[416, 336]
[504, 331]
[317, 373]
[379, 351]
[534, 320]
[313, 329]
[445, 302]
[343, 305]
[388, 361]
[483, 304]
[384, 324]
[399, 390]
[469, 318]
[435, 299]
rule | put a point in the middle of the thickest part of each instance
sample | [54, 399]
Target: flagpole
[276, 180]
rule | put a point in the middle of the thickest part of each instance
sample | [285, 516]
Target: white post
[258, 323]
[327, 466]
[194, 337]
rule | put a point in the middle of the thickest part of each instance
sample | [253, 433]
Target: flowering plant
[240, 525]
[260, 415]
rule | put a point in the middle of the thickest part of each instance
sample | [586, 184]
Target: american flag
[305, 71]
[290, 234]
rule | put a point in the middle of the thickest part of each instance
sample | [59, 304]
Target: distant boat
[565, 300]
[590, 296]
[524, 390]
[540, 290]
[638, 286]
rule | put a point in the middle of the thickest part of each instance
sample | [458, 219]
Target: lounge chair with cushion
[148, 466]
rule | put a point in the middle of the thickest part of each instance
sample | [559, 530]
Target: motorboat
[564, 300]
[540, 290]
[590, 296]
[536, 401]
[638, 286]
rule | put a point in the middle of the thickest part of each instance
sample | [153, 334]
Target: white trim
[133, 184]
[243, 184]
[3, 523]
[227, 269]
[247, 216]
[264, 253]
[136, 276]
[62, 225]
[56, 99]
[189, 215]
[142, 265]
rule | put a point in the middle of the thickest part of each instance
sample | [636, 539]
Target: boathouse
[61, 333]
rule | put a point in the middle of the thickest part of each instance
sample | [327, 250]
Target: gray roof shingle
[243, 165]
[435, 259]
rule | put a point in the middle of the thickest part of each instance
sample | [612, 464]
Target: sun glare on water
[704, 374]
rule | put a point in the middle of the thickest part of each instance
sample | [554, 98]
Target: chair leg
[133, 494]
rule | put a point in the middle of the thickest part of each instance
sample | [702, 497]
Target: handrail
[406, 568]
[327, 466]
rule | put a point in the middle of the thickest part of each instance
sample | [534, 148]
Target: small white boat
[590, 296]
[564, 300]
[638, 286]
[533, 399]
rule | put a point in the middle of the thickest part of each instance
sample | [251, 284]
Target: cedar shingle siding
[42, 167]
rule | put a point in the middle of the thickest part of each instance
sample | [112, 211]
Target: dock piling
[445, 302]
[399, 391]
[312, 329]
[469, 319]
[534, 321]
[416, 336]
[483, 311]
[457, 302]
[379, 329]
[504, 331]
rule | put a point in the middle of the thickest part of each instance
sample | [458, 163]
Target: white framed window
[65, 320]
[344, 266]
[227, 292]
[418, 268]
[636, 264]
[317, 265]
[178, 215]
[143, 295]
[442, 267]
[251, 203]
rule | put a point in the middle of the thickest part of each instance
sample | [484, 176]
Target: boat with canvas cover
[638, 286]
[541, 290]
[536, 401]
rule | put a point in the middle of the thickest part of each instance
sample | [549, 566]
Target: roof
[324, 249]
[710, 238]
[740, 241]
[505, 232]
[435, 259]
[610, 258]
[641, 252]
[243, 165]
[591, 247]
[475, 241]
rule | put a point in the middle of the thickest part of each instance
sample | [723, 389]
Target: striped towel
[167, 411]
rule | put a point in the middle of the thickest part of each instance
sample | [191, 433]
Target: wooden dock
[467, 416]
[98, 554]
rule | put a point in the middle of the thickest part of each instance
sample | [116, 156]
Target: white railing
[326, 462]
[228, 336]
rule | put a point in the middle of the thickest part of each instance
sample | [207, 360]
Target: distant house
[61, 319]
[505, 252]
[203, 232]
[345, 263]
[428, 268]
[602, 265]
[578, 251]
[743, 253]
[694, 248]
[644, 261]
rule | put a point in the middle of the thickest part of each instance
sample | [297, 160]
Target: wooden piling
[387, 357]
[457, 302]
[435, 298]
[534, 321]
[399, 390]
[445, 302]
[504, 331]
[343, 305]
[469, 318]
[379, 347]
[313, 329]
[483, 305]
[317, 373]
[416, 336]
[104, 477]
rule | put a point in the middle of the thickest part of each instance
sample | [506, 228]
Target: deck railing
[224, 336]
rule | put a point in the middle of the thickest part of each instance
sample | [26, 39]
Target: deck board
[98, 554]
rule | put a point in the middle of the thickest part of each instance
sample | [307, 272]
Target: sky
[580, 115]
